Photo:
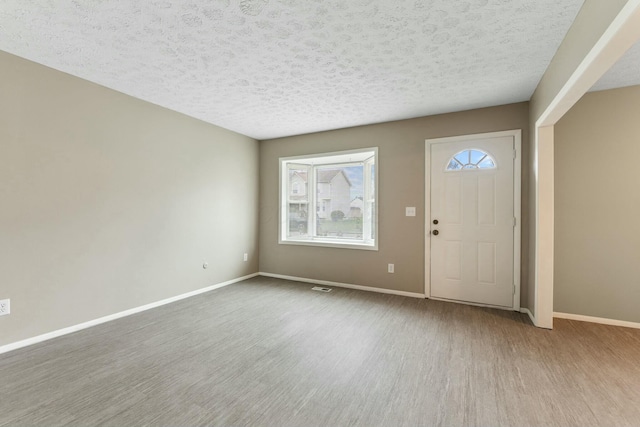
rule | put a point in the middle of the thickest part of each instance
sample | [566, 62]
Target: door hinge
[514, 221]
[514, 289]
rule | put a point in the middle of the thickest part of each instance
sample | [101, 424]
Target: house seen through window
[329, 199]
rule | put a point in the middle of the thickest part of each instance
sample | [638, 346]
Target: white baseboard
[343, 285]
[601, 320]
[525, 310]
[54, 334]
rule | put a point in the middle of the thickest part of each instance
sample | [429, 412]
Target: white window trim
[347, 156]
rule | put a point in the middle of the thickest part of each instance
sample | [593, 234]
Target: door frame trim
[517, 205]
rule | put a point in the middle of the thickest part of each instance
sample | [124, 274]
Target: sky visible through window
[471, 159]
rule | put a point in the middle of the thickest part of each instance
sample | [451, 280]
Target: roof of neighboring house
[324, 176]
[301, 174]
[328, 175]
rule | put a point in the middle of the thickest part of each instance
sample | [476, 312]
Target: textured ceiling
[626, 72]
[270, 68]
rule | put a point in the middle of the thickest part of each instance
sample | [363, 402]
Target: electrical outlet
[246, 257]
[5, 306]
[391, 268]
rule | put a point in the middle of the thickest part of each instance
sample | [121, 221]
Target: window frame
[463, 167]
[368, 157]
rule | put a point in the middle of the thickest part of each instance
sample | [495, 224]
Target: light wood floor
[272, 352]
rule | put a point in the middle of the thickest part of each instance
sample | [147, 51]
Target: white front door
[472, 220]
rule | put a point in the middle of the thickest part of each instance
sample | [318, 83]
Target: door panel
[487, 200]
[453, 260]
[487, 263]
[472, 254]
[453, 199]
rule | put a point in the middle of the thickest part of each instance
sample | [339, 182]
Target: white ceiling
[271, 68]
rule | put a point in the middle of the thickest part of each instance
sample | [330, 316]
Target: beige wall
[109, 202]
[597, 201]
[401, 183]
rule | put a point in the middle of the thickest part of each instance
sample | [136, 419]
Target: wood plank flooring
[269, 352]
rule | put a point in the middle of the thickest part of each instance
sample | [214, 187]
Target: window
[329, 199]
[471, 159]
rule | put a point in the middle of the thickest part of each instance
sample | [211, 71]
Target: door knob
[436, 232]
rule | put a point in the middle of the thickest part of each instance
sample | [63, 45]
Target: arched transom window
[471, 159]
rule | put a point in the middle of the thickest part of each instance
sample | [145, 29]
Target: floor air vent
[321, 289]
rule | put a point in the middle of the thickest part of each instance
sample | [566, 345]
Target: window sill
[328, 243]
